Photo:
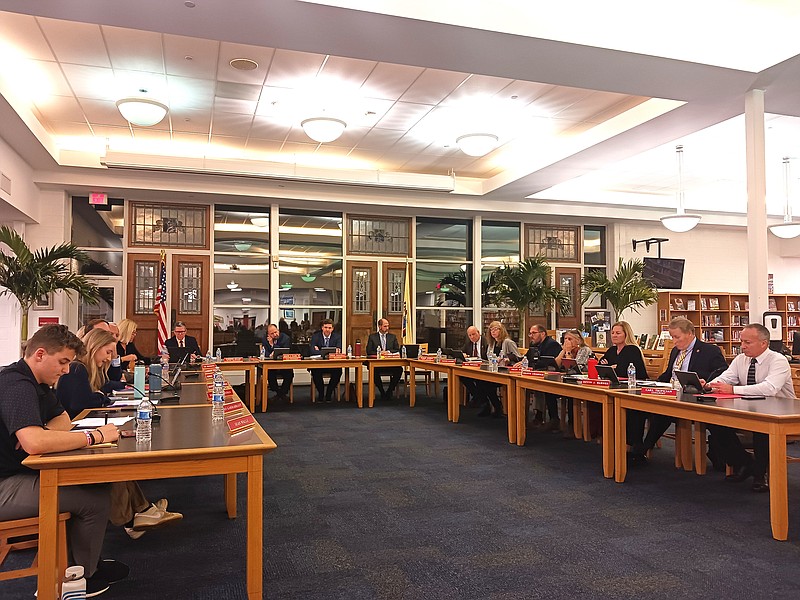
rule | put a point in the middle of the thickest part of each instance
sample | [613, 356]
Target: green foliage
[527, 284]
[626, 289]
[28, 275]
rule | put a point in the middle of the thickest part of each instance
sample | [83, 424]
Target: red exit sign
[99, 199]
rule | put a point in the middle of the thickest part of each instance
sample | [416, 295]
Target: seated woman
[623, 352]
[128, 353]
[80, 389]
[507, 353]
[574, 347]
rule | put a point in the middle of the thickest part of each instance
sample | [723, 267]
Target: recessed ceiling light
[244, 64]
[189, 4]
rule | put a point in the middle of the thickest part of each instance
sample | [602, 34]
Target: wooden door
[393, 276]
[142, 273]
[190, 296]
[568, 280]
[362, 301]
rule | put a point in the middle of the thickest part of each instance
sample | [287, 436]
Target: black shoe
[716, 463]
[637, 458]
[328, 398]
[498, 414]
[760, 484]
[740, 474]
[95, 586]
[111, 571]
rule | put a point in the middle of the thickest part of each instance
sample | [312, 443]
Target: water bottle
[349, 351]
[403, 352]
[494, 363]
[524, 362]
[631, 376]
[439, 355]
[74, 586]
[262, 354]
[219, 354]
[209, 356]
[218, 399]
[144, 421]
[165, 363]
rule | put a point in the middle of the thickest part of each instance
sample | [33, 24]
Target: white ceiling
[577, 123]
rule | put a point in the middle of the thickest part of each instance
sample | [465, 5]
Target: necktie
[751, 372]
[325, 344]
[475, 349]
[383, 342]
[180, 344]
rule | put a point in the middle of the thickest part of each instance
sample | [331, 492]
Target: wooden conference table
[777, 417]
[186, 443]
[336, 363]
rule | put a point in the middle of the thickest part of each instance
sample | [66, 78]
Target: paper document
[90, 422]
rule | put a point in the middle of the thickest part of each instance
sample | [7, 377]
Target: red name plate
[659, 391]
[516, 370]
[530, 373]
[476, 364]
[208, 369]
[291, 357]
[428, 357]
[231, 408]
[336, 356]
[239, 424]
[447, 361]
[232, 359]
[596, 382]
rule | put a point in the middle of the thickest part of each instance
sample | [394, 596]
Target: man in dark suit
[543, 345]
[688, 354]
[383, 341]
[276, 339]
[179, 339]
[484, 392]
[326, 337]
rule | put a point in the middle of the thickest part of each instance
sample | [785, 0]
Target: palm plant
[29, 275]
[626, 289]
[527, 285]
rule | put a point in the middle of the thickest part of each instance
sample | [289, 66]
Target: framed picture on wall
[44, 302]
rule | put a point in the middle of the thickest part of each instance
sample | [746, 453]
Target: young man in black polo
[32, 421]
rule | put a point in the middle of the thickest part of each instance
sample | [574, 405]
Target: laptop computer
[454, 353]
[546, 363]
[326, 352]
[178, 355]
[412, 350]
[277, 353]
[690, 382]
[608, 372]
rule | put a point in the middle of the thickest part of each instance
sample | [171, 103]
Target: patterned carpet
[396, 503]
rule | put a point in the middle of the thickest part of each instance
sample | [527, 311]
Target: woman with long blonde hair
[128, 353]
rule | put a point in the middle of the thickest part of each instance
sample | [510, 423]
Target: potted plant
[29, 275]
[626, 289]
[527, 285]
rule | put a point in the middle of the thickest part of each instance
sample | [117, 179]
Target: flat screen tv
[664, 273]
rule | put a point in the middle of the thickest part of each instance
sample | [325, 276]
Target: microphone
[173, 385]
[156, 416]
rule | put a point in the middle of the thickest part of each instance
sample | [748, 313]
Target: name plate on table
[232, 359]
[291, 357]
[337, 356]
[515, 370]
[532, 373]
[659, 391]
[208, 370]
[604, 383]
[447, 361]
[228, 390]
[239, 424]
[472, 364]
[428, 357]
[233, 408]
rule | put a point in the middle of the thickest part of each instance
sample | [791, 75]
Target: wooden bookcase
[719, 316]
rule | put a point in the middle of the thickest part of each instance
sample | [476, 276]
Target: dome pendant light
[681, 221]
[786, 230]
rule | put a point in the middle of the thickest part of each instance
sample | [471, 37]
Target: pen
[105, 417]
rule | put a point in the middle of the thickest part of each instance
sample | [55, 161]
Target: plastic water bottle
[403, 352]
[219, 354]
[494, 363]
[349, 351]
[262, 354]
[524, 362]
[74, 586]
[439, 355]
[218, 398]
[209, 356]
[631, 376]
[144, 421]
[165, 363]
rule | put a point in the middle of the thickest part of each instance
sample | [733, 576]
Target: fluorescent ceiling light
[143, 112]
[260, 221]
[323, 129]
[477, 144]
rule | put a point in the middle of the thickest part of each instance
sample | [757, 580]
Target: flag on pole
[408, 321]
[160, 308]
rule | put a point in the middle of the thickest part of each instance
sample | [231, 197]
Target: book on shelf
[736, 305]
[790, 306]
[643, 340]
[713, 303]
[703, 304]
[773, 304]
[691, 305]
[679, 304]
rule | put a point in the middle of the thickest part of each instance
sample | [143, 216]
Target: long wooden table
[336, 363]
[436, 368]
[249, 366]
[501, 378]
[186, 443]
[380, 363]
[777, 417]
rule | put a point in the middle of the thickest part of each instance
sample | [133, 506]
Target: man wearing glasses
[181, 340]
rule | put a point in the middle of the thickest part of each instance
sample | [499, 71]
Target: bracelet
[89, 438]
[102, 437]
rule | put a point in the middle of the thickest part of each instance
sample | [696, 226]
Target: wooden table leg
[347, 397]
[685, 446]
[456, 398]
[512, 412]
[48, 534]
[778, 487]
[264, 387]
[436, 384]
[360, 386]
[619, 441]
[230, 494]
[250, 376]
[700, 461]
[522, 415]
[371, 384]
[255, 527]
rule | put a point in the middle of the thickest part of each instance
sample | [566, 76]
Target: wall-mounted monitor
[664, 273]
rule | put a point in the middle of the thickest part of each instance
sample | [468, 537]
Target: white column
[756, 205]
[477, 300]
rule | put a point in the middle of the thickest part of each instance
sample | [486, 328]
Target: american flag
[408, 322]
[160, 308]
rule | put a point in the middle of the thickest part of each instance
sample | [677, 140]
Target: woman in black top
[126, 349]
[80, 388]
[620, 355]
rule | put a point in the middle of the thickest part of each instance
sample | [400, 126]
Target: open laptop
[454, 353]
[178, 355]
[545, 363]
[690, 382]
[277, 353]
[608, 372]
[326, 352]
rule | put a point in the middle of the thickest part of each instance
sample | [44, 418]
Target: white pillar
[477, 300]
[756, 205]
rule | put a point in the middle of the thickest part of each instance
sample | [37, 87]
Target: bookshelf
[719, 316]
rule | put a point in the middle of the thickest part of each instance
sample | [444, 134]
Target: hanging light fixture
[308, 277]
[260, 221]
[242, 246]
[233, 285]
[323, 129]
[477, 144]
[142, 111]
[680, 222]
[787, 229]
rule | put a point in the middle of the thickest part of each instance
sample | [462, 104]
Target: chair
[426, 375]
[314, 389]
[15, 535]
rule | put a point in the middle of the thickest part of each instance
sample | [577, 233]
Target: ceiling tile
[262, 56]
[186, 92]
[380, 139]
[103, 131]
[269, 146]
[20, 35]
[558, 99]
[134, 50]
[290, 68]
[238, 91]
[350, 72]
[131, 83]
[62, 108]
[45, 77]
[102, 112]
[240, 107]
[390, 81]
[433, 86]
[230, 124]
[477, 86]
[191, 120]
[204, 55]
[266, 128]
[63, 128]
[76, 43]
[525, 91]
[403, 116]
[623, 104]
[92, 82]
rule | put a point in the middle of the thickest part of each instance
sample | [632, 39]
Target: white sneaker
[154, 517]
[133, 534]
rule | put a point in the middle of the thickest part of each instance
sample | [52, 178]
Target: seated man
[276, 339]
[33, 422]
[484, 392]
[543, 345]
[383, 341]
[179, 339]
[326, 337]
[688, 354]
[757, 371]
